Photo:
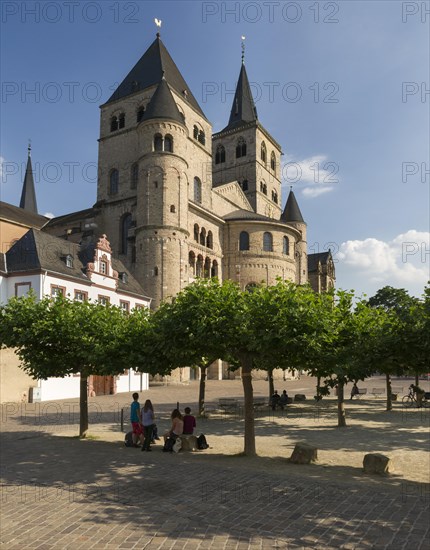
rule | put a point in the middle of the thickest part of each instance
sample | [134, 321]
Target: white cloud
[316, 174]
[372, 263]
[49, 215]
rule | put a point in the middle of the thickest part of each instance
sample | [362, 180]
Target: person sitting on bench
[354, 390]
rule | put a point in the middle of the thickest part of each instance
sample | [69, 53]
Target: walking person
[148, 420]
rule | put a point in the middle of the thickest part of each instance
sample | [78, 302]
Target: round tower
[162, 197]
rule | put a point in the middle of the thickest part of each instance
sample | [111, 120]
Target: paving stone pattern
[62, 493]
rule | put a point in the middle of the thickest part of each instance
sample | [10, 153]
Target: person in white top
[148, 419]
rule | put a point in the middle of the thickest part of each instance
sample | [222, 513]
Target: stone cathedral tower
[177, 202]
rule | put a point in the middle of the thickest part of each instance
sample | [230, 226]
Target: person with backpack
[148, 424]
[176, 429]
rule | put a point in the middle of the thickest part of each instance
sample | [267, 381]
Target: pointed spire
[291, 211]
[243, 109]
[162, 104]
[28, 195]
[148, 72]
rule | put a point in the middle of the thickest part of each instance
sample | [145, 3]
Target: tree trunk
[318, 388]
[83, 406]
[389, 399]
[271, 384]
[202, 388]
[341, 420]
[417, 381]
[249, 449]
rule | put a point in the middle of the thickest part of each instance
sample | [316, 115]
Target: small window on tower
[168, 144]
[121, 120]
[172, 208]
[220, 154]
[140, 113]
[113, 124]
[241, 148]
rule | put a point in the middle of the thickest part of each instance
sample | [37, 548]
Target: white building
[50, 266]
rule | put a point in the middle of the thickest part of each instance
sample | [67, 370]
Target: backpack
[202, 443]
[128, 440]
[168, 445]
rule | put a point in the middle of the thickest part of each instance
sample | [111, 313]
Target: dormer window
[124, 277]
[69, 260]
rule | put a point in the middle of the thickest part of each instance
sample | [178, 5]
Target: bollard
[122, 419]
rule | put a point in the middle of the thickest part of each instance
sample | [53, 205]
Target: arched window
[275, 197]
[192, 263]
[241, 148]
[244, 185]
[214, 270]
[140, 113]
[267, 242]
[158, 142]
[168, 144]
[273, 161]
[172, 208]
[125, 226]
[263, 187]
[244, 240]
[197, 190]
[203, 236]
[199, 266]
[113, 124]
[220, 154]
[196, 233]
[263, 152]
[286, 246]
[113, 182]
[207, 269]
[210, 240]
[202, 138]
[195, 132]
[121, 120]
[134, 175]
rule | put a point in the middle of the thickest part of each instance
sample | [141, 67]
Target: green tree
[56, 338]
[265, 327]
[396, 346]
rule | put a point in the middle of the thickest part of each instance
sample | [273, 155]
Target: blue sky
[342, 86]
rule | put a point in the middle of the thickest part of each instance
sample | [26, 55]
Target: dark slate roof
[319, 257]
[149, 71]
[291, 211]
[28, 195]
[9, 212]
[243, 109]
[73, 216]
[38, 250]
[162, 105]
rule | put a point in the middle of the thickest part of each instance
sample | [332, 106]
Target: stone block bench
[377, 463]
[189, 442]
[304, 454]
[378, 391]
[299, 397]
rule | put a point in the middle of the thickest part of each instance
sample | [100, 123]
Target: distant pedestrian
[354, 390]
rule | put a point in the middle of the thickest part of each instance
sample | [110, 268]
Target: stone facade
[179, 203]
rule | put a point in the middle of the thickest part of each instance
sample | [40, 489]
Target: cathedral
[178, 202]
